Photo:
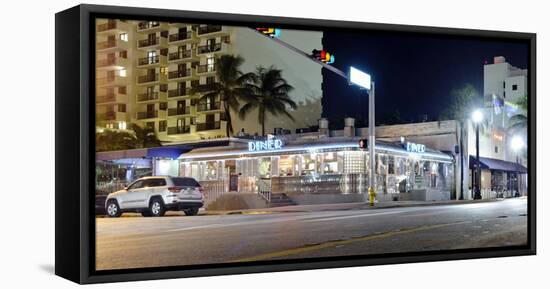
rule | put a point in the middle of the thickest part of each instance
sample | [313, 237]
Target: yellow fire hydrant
[372, 196]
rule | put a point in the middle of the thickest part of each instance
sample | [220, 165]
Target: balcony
[149, 26]
[203, 88]
[178, 74]
[149, 96]
[112, 116]
[151, 61]
[115, 80]
[206, 68]
[113, 63]
[179, 111]
[208, 29]
[208, 126]
[208, 106]
[181, 36]
[111, 97]
[178, 130]
[216, 47]
[147, 114]
[112, 44]
[149, 78]
[179, 56]
[112, 26]
[151, 42]
[178, 92]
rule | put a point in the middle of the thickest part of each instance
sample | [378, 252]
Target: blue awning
[497, 165]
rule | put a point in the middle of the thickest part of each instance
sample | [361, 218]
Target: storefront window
[286, 166]
[309, 164]
[330, 163]
[211, 171]
[265, 167]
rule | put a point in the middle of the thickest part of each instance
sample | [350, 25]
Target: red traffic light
[269, 31]
[323, 56]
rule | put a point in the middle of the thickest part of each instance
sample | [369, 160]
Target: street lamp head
[477, 116]
[517, 143]
[360, 78]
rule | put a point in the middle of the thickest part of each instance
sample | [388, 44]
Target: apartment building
[158, 63]
[503, 85]
[114, 71]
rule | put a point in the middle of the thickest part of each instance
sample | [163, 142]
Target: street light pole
[372, 144]
[477, 194]
[517, 175]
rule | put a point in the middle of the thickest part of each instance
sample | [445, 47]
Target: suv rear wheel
[112, 208]
[191, 212]
[156, 207]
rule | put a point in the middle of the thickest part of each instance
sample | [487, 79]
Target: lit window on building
[210, 64]
[124, 37]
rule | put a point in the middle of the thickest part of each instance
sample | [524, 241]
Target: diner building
[314, 168]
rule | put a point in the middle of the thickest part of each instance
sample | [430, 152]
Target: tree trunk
[261, 115]
[229, 126]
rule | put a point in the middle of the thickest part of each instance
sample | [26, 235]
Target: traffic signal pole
[372, 142]
[298, 51]
[372, 138]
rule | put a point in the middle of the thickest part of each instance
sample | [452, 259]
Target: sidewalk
[343, 207]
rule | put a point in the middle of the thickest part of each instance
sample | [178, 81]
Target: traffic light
[271, 32]
[322, 55]
[363, 143]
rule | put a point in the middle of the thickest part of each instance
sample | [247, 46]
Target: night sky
[414, 74]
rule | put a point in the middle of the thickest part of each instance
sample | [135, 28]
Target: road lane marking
[352, 216]
[260, 222]
[195, 227]
[331, 244]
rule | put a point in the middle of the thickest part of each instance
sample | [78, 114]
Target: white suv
[153, 196]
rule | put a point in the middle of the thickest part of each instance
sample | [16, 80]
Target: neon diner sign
[415, 147]
[266, 145]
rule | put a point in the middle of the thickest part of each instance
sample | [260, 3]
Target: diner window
[309, 164]
[286, 166]
[211, 171]
[264, 167]
[330, 163]
[391, 165]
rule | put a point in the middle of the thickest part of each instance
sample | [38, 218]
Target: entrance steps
[280, 200]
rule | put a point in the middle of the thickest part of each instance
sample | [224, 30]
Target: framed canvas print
[195, 144]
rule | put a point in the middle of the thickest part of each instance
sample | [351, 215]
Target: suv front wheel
[112, 208]
[156, 207]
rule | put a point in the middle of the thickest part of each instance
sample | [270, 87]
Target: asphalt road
[179, 240]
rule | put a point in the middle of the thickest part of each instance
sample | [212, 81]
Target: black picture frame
[75, 127]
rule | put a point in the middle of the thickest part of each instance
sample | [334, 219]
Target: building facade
[147, 69]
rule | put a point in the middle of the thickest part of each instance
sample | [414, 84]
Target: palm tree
[269, 95]
[231, 87]
[145, 137]
[112, 140]
[463, 101]
[519, 121]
